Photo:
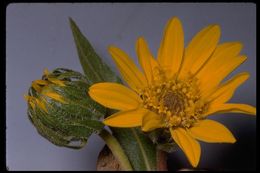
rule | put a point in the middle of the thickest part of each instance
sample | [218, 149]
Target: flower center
[178, 101]
[174, 101]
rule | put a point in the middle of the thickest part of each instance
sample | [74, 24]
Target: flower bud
[61, 110]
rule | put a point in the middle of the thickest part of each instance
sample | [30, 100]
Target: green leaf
[138, 147]
[94, 68]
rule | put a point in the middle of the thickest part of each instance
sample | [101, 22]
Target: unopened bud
[61, 110]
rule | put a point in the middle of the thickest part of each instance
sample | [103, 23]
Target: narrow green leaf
[139, 148]
[94, 68]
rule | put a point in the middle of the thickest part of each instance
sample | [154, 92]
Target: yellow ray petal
[36, 87]
[130, 118]
[46, 72]
[226, 91]
[211, 131]
[27, 97]
[114, 96]
[30, 100]
[129, 71]
[220, 56]
[224, 59]
[154, 63]
[144, 56]
[223, 54]
[188, 144]
[199, 49]
[32, 104]
[219, 75]
[41, 82]
[152, 121]
[231, 108]
[172, 45]
[56, 81]
[41, 105]
[54, 96]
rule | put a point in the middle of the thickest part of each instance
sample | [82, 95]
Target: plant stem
[161, 160]
[116, 149]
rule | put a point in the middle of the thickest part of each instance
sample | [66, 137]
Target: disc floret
[177, 101]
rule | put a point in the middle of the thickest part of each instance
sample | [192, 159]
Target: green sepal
[163, 140]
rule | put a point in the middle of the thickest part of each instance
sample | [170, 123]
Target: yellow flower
[179, 89]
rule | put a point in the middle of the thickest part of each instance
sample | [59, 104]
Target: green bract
[61, 110]
[162, 139]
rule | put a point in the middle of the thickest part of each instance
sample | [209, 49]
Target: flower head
[179, 89]
[60, 109]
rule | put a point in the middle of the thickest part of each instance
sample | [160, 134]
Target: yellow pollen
[178, 101]
[169, 113]
[178, 85]
[174, 87]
